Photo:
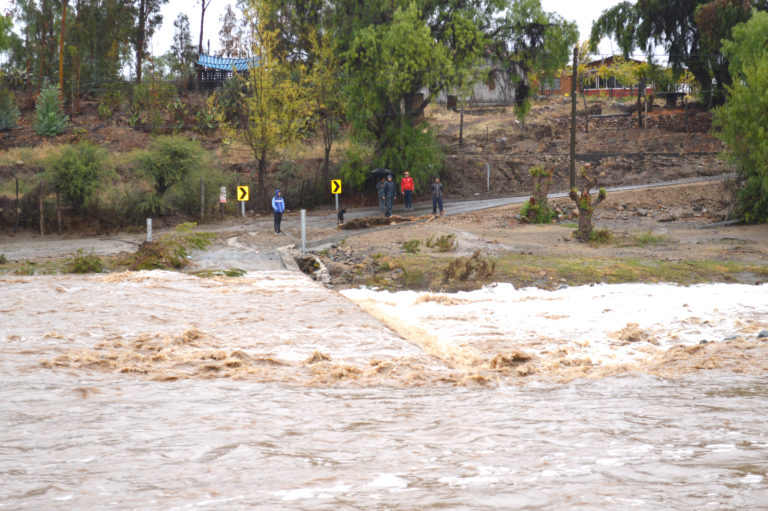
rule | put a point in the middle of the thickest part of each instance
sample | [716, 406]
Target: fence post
[58, 212]
[202, 199]
[303, 231]
[41, 208]
[488, 175]
[16, 208]
[149, 230]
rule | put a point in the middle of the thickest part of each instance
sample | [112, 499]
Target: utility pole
[572, 162]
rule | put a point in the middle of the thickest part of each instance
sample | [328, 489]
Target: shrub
[600, 236]
[411, 246]
[9, 112]
[185, 196]
[445, 243]
[3, 259]
[470, 268]
[171, 250]
[537, 213]
[76, 171]
[49, 112]
[85, 263]
[170, 160]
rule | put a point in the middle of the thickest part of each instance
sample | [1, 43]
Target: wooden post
[685, 104]
[58, 212]
[41, 208]
[202, 199]
[16, 208]
[572, 160]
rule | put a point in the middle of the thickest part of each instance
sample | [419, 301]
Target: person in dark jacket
[278, 205]
[437, 196]
[380, 193]
[389, 194]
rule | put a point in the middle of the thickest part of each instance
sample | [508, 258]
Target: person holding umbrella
[389, 194]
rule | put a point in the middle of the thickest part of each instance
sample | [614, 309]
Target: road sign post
[242, 196]
[336, 190]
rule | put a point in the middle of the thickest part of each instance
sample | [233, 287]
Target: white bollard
[303, 231]
[149, 229]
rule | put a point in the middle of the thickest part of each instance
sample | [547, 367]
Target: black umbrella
[382, 172]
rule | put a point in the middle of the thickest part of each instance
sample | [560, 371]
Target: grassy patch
[444, 243]
[422, 271]
[232, 272]
[170, 251]
[411, 246]
[649, 239]
[84, 263]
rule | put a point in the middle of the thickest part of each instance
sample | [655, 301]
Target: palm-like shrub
[49, 112]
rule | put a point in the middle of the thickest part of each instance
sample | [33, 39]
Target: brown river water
[158, 390]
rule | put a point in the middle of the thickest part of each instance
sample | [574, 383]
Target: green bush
[185, 196]
[170, 160]
[9, 113]
[77, 171]
[445, 243]
[171, 250]
[600, 236]
[411, 246]
[85, 263]
[49, 112]
[537, 213]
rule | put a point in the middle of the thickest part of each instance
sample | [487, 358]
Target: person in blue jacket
[278, 205]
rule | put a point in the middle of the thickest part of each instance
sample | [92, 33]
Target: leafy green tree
[147, 19]
[466, 45]
[182, 50]
[324, 85]
[688, 30]
[6, 29]
[748, 45]
[49, 112]
[274, 112]
[169, 160]
[531, 41]
[76, 171]
[743, 120]
[387, 66]
[9, 112]
[232, 37]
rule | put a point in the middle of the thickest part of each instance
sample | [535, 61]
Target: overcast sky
[583, 13]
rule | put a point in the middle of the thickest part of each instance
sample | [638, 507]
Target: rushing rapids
[158, 390]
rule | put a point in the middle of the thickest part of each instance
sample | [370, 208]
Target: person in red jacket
[406, 186]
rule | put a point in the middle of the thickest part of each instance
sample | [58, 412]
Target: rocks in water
[763, 334]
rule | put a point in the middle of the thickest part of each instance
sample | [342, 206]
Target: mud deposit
[157, 390]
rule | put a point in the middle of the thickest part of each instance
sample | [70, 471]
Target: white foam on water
[586, 318]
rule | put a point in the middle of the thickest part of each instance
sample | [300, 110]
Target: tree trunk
[585, 225]
[140, 38]
[263, 179]
[61, 45]
[204, 5]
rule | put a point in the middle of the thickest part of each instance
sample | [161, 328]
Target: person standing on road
[380, 193]
[389, 194]
[278, 205]
[406, 187]
[437, 196]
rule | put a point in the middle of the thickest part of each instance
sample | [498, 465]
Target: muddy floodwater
[158, 390]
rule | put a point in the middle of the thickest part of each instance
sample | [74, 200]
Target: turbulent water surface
[157, 390]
